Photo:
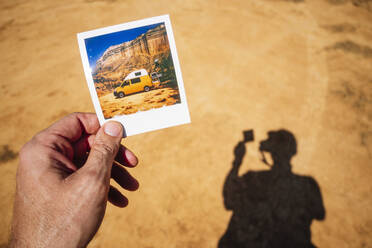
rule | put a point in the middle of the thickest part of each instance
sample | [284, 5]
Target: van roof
[136, 73]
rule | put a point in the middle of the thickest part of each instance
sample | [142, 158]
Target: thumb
[103, 151]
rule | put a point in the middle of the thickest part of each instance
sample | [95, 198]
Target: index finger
[74, 125]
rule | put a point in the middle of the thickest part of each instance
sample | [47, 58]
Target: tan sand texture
[304, 66]
[142, 101]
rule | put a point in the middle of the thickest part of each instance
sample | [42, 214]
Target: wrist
[40, 234]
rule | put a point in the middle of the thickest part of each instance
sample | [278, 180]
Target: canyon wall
[120, 59]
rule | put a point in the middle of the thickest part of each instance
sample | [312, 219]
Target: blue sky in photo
[97, 45]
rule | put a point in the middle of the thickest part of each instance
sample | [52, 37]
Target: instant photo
[133, 75]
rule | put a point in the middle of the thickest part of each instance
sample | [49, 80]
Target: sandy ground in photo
[305, 66]
[142, 101]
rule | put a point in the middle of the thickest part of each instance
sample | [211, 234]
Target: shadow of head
[281, 145]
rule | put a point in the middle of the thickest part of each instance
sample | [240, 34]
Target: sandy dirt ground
[142, 101]
[305, 66]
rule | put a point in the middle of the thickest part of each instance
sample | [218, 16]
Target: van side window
[137, 73]
[135, 80]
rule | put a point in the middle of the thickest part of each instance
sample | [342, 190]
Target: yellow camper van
[136, 81]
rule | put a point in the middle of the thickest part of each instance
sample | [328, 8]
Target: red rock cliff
[136, 53]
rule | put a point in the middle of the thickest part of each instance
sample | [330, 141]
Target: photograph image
[133, 70]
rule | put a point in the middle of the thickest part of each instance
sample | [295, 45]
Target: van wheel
[146, 88]
[121, 95]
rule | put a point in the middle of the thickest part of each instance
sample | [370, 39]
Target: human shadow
[271, 208]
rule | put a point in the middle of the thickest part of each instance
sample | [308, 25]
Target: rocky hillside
[119, 60]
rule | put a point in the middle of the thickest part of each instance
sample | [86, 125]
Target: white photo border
[142, 121]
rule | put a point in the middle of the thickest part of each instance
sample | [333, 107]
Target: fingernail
[131, 157]
[113, 128]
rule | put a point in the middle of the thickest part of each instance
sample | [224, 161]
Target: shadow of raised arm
[231, 185]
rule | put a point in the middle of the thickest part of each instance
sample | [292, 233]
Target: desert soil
[305, 66]
[142, 101]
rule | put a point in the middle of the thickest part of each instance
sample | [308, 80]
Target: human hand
[63, 182]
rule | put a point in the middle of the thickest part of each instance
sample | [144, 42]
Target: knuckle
[74, 114]
[29, 149]
[39, 138]
[24, 151]
[104, 148]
